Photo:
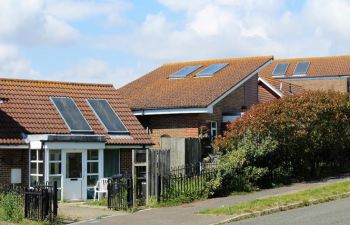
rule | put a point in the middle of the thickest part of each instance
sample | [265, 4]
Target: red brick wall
[13, 158]
[265, 94]
[126, 161]
[187, 125]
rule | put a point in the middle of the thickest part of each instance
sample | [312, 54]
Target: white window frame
[213, 128]
[92, 161]
[55, 161]
[37, 175]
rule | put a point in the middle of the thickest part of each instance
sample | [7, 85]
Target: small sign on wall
[16, 176]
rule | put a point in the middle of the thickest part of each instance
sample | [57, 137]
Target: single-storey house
[188, 98]
[72, 133]
[314, 73]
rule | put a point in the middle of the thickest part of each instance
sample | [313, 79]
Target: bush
[294, 138]
[11, 207]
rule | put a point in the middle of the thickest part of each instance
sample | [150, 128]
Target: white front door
[74, 174]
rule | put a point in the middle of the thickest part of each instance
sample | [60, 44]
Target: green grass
[306, 197]
[102, 202]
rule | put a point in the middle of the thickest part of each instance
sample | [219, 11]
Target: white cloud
[71, 10]
[234, 28]
[98, 71]
[12, 63]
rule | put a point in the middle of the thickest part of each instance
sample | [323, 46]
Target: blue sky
[117, 41]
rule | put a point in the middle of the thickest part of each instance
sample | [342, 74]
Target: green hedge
[11, 207]
[294, 138]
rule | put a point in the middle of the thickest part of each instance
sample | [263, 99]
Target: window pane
[33, 180]
[73, 165]
[92, 167]
[41, 168]
[33, 168]
[55, 155]
[33, 155]
[92, 155]
[56, 178]
[41, 155]
[55, 168]
[92, 180]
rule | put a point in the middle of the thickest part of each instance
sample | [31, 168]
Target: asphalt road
[330, 213]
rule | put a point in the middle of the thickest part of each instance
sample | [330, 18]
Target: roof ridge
[314, 57]
[55, 82]
[216, 60]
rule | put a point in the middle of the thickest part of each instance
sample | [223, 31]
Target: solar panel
[301, 68]
[107, 116]
[210, 70]
[71, 115]
[184, 71]
[280, 69]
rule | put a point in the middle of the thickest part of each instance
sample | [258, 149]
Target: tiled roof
[156, 91]
[27, 109]
[284, 87]
[319, 66]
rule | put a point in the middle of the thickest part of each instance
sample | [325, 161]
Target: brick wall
[126, 161]
[13, 158]
[187, 125]
[265, 94]
[339, 84]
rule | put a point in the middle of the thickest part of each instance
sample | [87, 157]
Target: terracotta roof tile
[319, 66]
[155, 90]
[285, 88]
[27, 109]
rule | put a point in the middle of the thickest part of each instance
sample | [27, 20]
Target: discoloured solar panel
[210, 70]
[280, 69]
[184, 71]
[301, 68]
[71, 115]
[107, 116]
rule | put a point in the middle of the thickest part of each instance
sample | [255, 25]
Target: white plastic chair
[100, 188]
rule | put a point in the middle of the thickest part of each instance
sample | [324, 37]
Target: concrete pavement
[186, 214]
[330, 213]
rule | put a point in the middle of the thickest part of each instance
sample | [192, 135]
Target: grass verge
[282, 202]
[102, 202]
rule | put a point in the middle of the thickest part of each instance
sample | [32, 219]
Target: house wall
[265, 94]
[338, 84]
[11, 159]
[187, 125]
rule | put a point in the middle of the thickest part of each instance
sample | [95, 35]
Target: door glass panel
[74, 167]
[55, 168]
[92, 180]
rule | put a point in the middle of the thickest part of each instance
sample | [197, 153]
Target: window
[107, 116]
[55, 169]
[71, 115]
[210, 70]
[184, 71]
[36, 167]
[213, 129]
[301, 68]
[92, 168]
[280, 69]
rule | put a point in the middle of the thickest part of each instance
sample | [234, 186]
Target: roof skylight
[71, 115]
[210, 70]
[185, 71]
[301, 68]
[280, 69]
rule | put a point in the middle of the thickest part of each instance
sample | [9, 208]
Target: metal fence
[120, 193]
[40, 202]
[188, 181]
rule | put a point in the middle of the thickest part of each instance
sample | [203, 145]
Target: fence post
[55, 205]
[158, 188]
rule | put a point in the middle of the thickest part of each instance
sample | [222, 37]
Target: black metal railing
[120, 193]
[40, 202]
[188, 181]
